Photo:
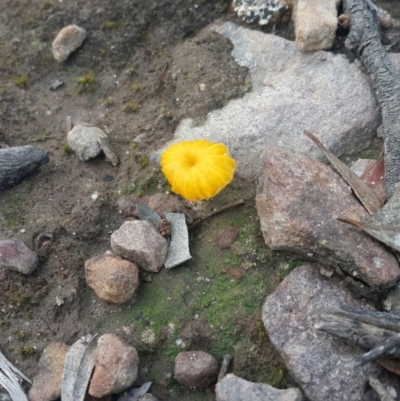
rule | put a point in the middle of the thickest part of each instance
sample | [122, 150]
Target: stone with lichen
[262, 11]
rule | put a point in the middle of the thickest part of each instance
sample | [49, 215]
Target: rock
[116, 366]
[15, 255]
[227, 237]
[112, 278]
[19, 161]
[195, 369]
[140, 242]
[322, 365]
[315, 24]
[84, 141]
[262, 11]
[67, 41]
[47, 383]
[233, 388]
[298, 209]
[287, 97]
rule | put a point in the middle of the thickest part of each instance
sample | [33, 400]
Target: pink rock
[298, 209]
[47, 383]
[140, 242]
[15, 255]
[195, 369]
[112, 278]
[116, 366]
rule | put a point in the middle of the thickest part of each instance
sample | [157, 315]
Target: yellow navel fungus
[197, 169]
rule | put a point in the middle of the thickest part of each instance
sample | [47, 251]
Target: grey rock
[116, 366]
[195, 369]
[147, 213]
[233, 388]
[178, 250]
[322, 365]
[298, 209]
[67, 41]
[19, 161]
[84, 141]
[112, 278]
[139, 242]
[15, 255]
[5, 397]
[291, 91]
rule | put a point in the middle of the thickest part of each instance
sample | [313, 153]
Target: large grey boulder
[291, 91]
[322, 365]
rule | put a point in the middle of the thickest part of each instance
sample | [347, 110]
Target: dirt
[146, 65]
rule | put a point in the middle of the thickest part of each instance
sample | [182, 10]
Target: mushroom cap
[197, 169]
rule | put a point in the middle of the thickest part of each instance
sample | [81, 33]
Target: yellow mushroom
[197, 169]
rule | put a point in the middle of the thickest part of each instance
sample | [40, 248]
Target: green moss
[103, 52]
[17, 296]
[108, 102]
[128, 189]
[135, 87]
[144, 161]
[130, 71]
[66, 149]
[85, 83]
[130, 107]
[153, 183]
[26, 351]
[110, 25]
[133, 145]
[20, 80]
[164, 110]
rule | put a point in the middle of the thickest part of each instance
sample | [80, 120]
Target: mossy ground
[222, 289]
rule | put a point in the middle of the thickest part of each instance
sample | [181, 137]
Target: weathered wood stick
[17, 162]
[355, 332]
[380, 389]
[388, 321]
[380, 350]
[214, 213]
[364, 40]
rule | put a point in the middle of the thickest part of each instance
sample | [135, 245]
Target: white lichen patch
[148, 337]
[261, 11]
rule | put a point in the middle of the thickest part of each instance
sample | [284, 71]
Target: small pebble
[107, 178]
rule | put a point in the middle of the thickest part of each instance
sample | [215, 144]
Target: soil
[153, 64]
